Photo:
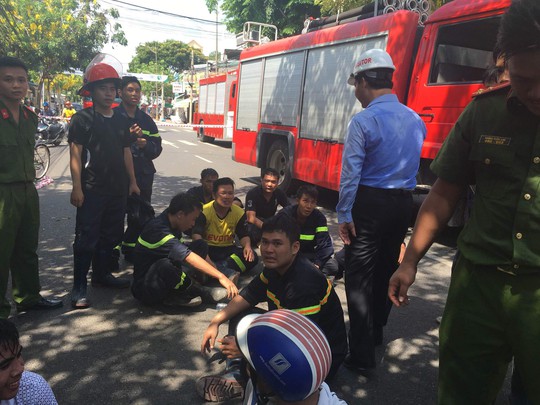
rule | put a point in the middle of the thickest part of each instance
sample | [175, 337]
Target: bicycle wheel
[42, 159]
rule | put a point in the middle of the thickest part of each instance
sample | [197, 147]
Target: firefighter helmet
[287, 350]
[369, 60]
[102, 68]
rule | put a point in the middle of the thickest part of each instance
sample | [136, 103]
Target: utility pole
[217, 8]
[190, 109]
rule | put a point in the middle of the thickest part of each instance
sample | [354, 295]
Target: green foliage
[172, 56]
[331, 7]
[287, 15]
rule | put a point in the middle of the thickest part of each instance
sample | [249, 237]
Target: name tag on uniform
[495, 140]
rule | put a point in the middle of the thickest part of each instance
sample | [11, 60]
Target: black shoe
[128, 257]
[110, 281]
[43, 303]
[357, 368]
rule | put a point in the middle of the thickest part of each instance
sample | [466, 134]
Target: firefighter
[380, 160]
[493, 307]
[144, 150]
[103, 176]
[288, 281]
[162, 261]
[221, 220]
[19, 203]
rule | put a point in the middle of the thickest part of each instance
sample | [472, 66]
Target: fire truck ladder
[252, 34]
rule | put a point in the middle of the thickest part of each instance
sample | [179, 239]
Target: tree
[174, 56]
[331, 7]
[53, 36]
[287, 15]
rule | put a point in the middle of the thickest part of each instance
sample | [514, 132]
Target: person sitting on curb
[220, 221]
[204, 192]
[291, 345]
[262, 202]
[16, 385]
[315, 241]
[160, 259]
[289, 281]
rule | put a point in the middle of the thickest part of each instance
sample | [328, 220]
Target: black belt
[390, 191]
[16, 183]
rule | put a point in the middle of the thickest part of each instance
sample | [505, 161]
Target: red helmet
[100, 69]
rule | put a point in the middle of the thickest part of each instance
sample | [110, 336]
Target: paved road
[120, 352]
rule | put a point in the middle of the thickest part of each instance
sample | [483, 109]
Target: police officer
[19, 203]
[146, 148]
[380, 161]
[493, 307]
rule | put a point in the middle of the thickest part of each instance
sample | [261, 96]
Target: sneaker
[182, 301]
[224, 387]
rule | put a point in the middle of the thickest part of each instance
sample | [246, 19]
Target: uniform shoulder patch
[492, 90]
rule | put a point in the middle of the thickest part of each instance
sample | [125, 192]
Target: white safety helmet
[369, 60]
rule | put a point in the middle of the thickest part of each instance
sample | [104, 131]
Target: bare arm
[433, 216]
[75, 165]
[235, 307]
[128, 161]
[197, 262]
[252, 219]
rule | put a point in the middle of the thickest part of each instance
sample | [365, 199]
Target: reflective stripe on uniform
[307, 237]
[128, 244]
[263, 278]
[314, 309]
[238, 262]
[147, 133]
[181, 283]
[321, 229]
[157, 244]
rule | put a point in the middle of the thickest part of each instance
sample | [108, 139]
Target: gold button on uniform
[519, 235]
[536, 160]
[527, 197]
[487, 161]
[516, 266]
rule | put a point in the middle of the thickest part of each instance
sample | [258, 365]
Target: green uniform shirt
[495, 144]
[17, 145]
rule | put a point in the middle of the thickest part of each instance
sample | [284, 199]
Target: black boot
[101, 272]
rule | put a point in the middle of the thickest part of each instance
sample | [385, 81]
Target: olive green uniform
[493, 307]
[19, 209]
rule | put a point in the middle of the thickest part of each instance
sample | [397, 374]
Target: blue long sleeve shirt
[382, 150]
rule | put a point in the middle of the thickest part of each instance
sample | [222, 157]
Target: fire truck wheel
[278, 158]
[201, 136]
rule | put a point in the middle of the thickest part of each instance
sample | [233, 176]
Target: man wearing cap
[69, 111]
[102, 173]
[380, 161]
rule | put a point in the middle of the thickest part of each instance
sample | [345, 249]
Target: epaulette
[501, 87]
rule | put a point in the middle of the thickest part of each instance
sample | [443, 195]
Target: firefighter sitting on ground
[220, 221]
[162, 262]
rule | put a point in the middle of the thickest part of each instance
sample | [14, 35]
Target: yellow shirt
[221, 231]
[68, 113]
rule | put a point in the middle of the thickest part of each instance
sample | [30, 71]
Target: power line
[202, 20]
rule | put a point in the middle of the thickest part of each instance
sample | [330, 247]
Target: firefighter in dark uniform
[146, 148]
[315, 241]
[493, 307]
[102, 173]
[19, 202]
[288, 281]
[161, 259]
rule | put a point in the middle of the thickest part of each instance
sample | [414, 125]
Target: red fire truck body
[215, 107]
[293, 104]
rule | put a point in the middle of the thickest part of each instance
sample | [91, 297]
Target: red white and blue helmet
[287, 350]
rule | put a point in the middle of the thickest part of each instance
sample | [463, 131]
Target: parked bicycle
[42, 159]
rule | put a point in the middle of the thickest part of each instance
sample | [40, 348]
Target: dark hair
[184, 202]
[10, 61]
[282, 222]
[208, 172]
[9, 335]
[310, 191]
[223, 181]
[377, 78]
[520, 28]
[270, 172]
[129, 79]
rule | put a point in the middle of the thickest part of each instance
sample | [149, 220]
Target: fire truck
[293, 104]
[215, 113]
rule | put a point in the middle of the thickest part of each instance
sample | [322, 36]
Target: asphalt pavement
[121, 352]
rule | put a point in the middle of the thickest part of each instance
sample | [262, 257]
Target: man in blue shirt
[380, 160]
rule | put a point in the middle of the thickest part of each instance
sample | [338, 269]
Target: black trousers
[381, 219]
[133, 230]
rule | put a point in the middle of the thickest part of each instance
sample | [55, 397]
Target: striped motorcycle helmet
[287, 350]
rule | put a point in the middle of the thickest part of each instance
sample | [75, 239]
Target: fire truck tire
[278, 158]
[201, 136]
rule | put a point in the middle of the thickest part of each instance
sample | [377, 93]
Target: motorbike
[51, 131]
